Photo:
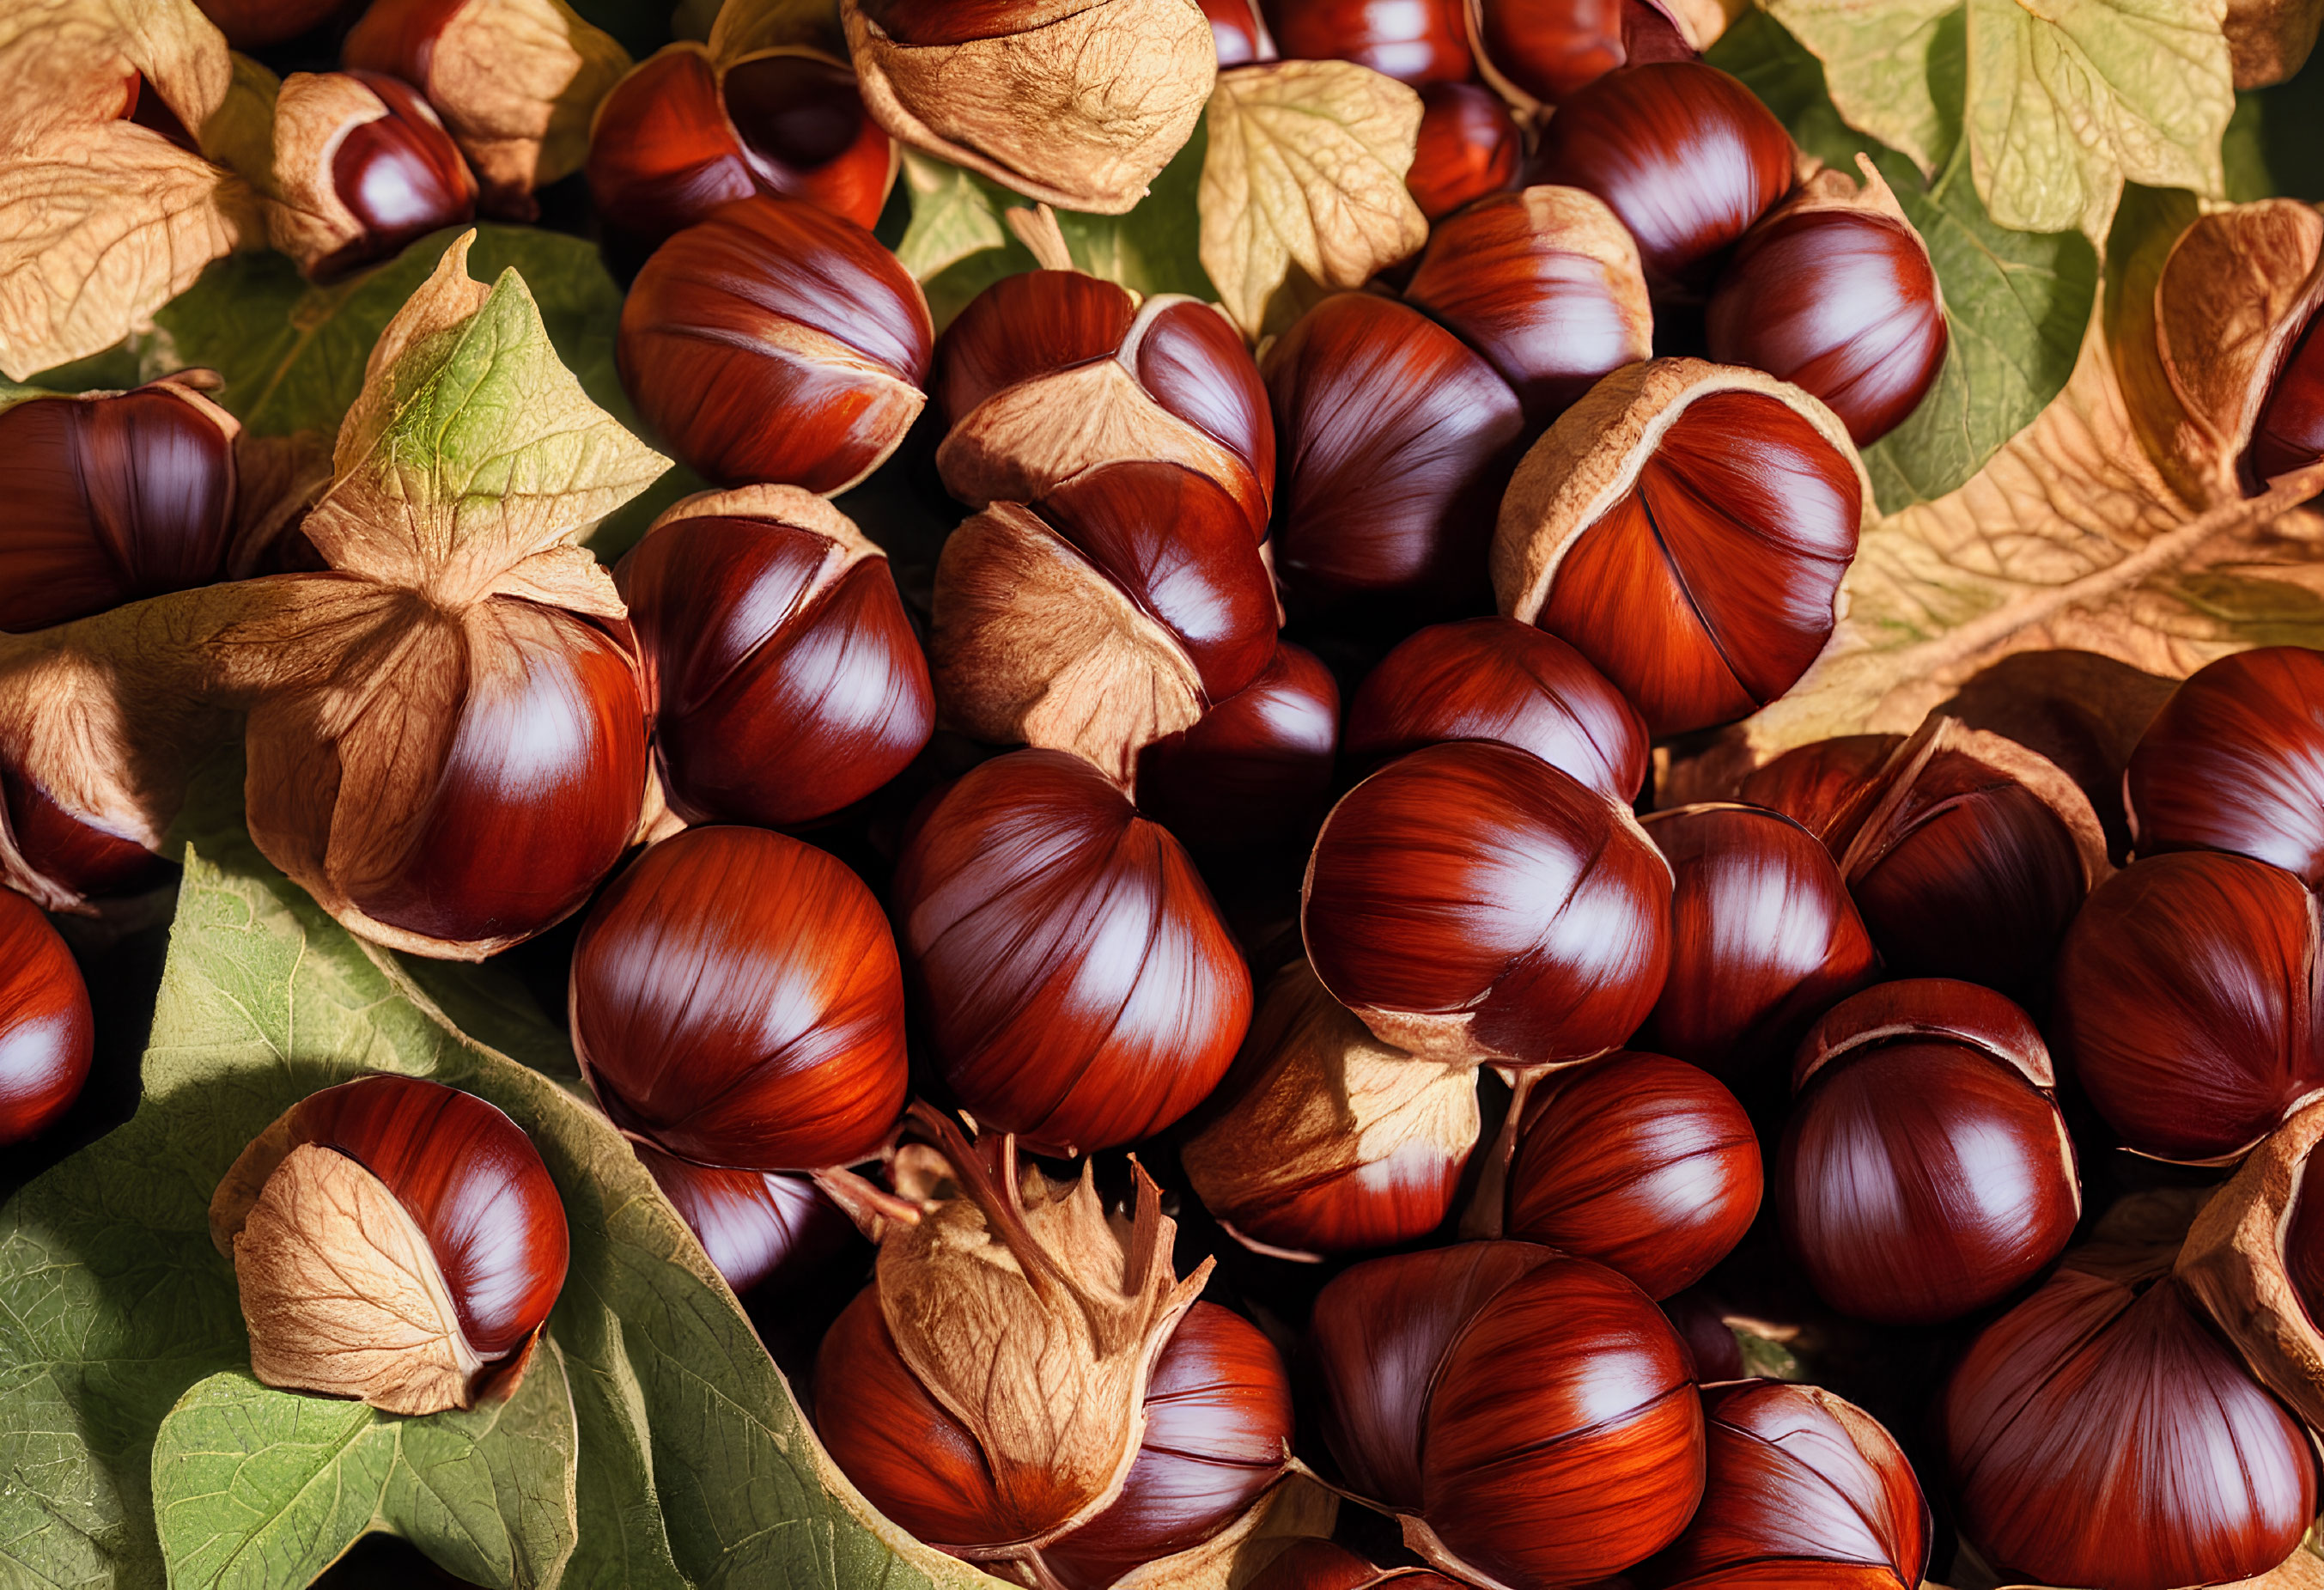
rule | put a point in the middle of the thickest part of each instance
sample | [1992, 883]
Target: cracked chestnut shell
[46, 1031]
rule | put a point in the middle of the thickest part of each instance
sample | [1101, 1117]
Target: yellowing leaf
[1876, 64]
[1306, 167]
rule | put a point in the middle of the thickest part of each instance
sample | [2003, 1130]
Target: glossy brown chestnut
[1077, 986]
[1545, 283]
[1799, 1489]
[683, 134]
[736, 1000]
[1531, 1415]
[1254, 772]
[1925, 1170]
[1550, 50]
[79, 859]
[1414, 41]
[1685, 155]
[252, 24]
[2186, 1005]
[2234, 760]
[1495, 679]
[1827, 787]
[46, 1031]
[1700, 1317]
[1764, 939]
[773, 306]
[1473, 903]
[1642, 1163]
[362, 167]
[1238, 31]
[1394, 442]
[757, 1227]
[1469, 146]
[1323, 1564]
[786, 680]
[2288, 432]
[111, 498]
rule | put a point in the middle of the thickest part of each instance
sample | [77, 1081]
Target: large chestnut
[757, 1227]
[684, 133]
[1799, 1489]
[736, 1000]
[394, 1240]
[773, 306]
[111, 498]
[46, 1031]
[1495, 679]
[1469, 146]
[1686, 526]
[1394, 442]
[1764, 939]
[786, 680]
[1643, 1163]
[1076, 984]
[362, 166]
[1925, 1170]
[1255, 771]
[2288, 433]
[1685, 155]
[1473, 904]
[1531, 1417]
[1414, 41]
[2234, 760]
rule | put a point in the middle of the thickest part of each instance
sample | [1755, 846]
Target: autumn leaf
[1306, 168]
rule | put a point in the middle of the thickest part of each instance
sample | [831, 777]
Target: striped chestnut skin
[2101, 1434]
[1469, 902]
[2303, 1240]
[74, 855]
[758, 1227]
[1827, 787]
[1683, 153]
[1926, 1171]
[1394, 442]
[1551, 51]
[1801, 1489]
[1415, 42]
[786, 680]
[681, 133]
[1255, 771]
[1532, 1415]
[773, 306]
[1238, 33]
[1218, 1426]
[736, 1000]
[2234, 760]
[1641, 1162]
[46, 1031]
[2288, 432]
[1076, 985]
[1323, 1565]
[2185, 1002]
[1469, 146]
[1495, 679]
[400, 175]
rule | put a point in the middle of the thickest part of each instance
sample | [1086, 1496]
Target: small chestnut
[757, 1227]
[1415, 42]
[63, 859]
[786, 678]
[362, 167]
[1473, 904]
[1550, 50]
[1076, 984]
[1469, 146]
[46, 1031]
[1237, 32]
[2234, 760]
[1925, 1170]
[736, 1000]
[1254, 771]
[394, 1240]
[2288, 433]
[772, 306]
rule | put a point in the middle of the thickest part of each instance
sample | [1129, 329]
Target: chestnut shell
[47, 1030]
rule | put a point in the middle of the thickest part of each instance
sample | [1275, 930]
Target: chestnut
[113, 497]
[1323, 1138]
[1313, 1564]
[1472, 905]
[62, 859]
[1686, 526]
[1833, 291]
[362, 166]
[1237, 32]
[1394, 442]
[1799, 1488]
[1076, 982]
[1530, 1417]
[757, 1227]
[1254, 771]
[2288, 432]
[1415, 42]
[1104, 616]
[2234, 760]
[1641, 1162]
[1925, 1170]
[46, 1031]
[1685, 155]
[772, 306]
[736, 1000]
[1764, 939]
[1547, 52]
[685, 132]
[394, 1240]
[1469, 146]
[1495, 679]
[1701, 1320]
[786, 678]
[1545, 283]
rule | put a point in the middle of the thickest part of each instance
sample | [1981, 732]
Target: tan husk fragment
[1296, 1507]
[2233, 1261]
[1081, 108]
[1035, 1319]
[305, 218]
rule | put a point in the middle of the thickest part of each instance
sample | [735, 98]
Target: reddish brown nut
[362, 166]
[1254, 771]
[1321, 1565]
[1469, 146]
[2288, 430]
[774, 306]
[1236, 30]
[73, 860]
[46, 1031]
[1414, 41]
[1549, 51]
[2234, 760]
[758, 1227]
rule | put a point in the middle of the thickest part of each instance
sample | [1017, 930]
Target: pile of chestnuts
[1200, 993]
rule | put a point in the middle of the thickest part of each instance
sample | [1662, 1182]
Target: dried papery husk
[1297, 1507]
[1034, 1317]
[1329, 1139]
[1077, 105]
[2234, 1262]
[305, 218]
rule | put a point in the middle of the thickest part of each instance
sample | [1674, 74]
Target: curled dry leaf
[1306, 167]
